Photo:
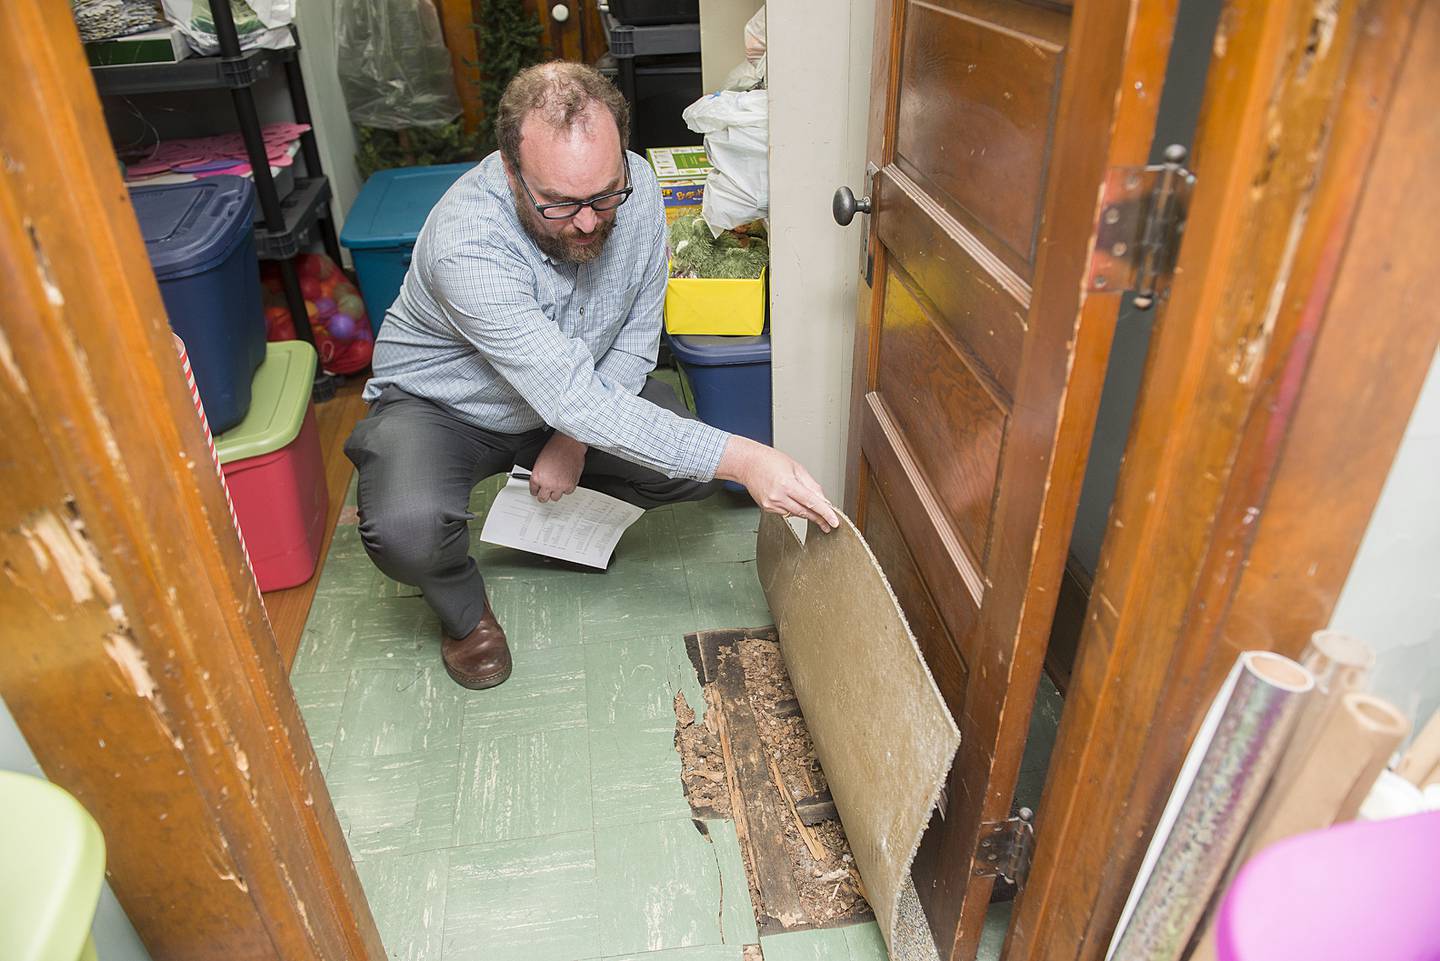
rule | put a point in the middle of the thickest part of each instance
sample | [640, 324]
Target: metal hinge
[1142, 218]
[1006, 848]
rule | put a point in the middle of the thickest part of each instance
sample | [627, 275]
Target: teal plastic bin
[383, 224]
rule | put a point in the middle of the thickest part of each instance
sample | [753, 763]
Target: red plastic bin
[275, 471]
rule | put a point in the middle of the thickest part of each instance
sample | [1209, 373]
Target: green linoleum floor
[543, 820]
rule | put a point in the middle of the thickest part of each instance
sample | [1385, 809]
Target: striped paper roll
[1219, 787]
[210, 442]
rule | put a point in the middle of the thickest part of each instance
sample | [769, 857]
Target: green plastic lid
[279, 398]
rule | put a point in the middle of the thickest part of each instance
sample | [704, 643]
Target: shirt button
[582, 311]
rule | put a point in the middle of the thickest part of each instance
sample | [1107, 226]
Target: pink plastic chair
[1362, 891]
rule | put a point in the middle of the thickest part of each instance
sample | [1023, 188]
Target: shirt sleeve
[488, 294]
[632, 357]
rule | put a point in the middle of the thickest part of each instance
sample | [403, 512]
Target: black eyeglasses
[568, 209]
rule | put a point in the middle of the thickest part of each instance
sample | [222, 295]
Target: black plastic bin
[641, 13]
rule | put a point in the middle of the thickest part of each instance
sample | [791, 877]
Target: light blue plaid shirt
[507, 339]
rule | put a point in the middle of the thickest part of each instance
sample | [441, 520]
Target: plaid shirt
[507, 339]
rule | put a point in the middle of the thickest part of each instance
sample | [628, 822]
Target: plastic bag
[394, 67]
[336, 311]
[258, 23]
[737, 134]
[750, 74]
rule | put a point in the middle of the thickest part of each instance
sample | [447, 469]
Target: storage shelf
[657, 41]
[301, 208]
[193, 73]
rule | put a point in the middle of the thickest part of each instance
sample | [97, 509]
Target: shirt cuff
[702, 451]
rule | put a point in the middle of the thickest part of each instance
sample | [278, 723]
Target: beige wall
[315, 19]
[819, 69]
[722, 37]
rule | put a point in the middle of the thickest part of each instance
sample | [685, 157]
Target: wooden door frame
[135, 654]
[1279, 383]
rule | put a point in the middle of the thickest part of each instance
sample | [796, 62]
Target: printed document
[582, 527]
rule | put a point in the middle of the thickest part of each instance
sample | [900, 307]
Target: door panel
[954, 423]
[980, 356]
[977, 91]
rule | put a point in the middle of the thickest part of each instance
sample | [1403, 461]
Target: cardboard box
[679, 163]
[695, 305]
[165, 45]
[682, 197]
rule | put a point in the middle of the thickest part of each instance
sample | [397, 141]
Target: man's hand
[777, 482]
[557, 469]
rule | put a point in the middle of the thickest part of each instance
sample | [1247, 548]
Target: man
[523, 334]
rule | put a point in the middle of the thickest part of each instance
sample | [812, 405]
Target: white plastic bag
[736, 126]
[258, 23]
[394, 67]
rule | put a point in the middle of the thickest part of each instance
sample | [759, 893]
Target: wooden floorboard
[334, 419]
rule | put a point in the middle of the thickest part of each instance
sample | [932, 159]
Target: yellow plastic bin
[695, 305]
[52, 860]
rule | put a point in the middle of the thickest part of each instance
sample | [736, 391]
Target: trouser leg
[417, 467]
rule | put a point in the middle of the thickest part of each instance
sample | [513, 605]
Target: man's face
[569, 165]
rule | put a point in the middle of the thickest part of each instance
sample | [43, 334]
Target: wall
[1392, 596]
[115, 939]
[315, 19]
[819, 72]
[722, 37]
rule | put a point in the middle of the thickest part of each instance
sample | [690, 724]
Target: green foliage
[508, 40]
[414, 147]
[694, 252]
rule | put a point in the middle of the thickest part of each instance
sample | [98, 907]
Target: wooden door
[980, 356]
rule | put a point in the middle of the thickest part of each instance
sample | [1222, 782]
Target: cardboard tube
[1323, 782]
[1340, 662]
[1419, 764]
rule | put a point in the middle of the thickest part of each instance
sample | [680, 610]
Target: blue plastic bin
[730, 380]
[202, 248]
[383, 224]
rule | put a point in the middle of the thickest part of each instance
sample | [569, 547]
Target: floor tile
[865, 941]
[320, 698]
[634, 680]
[637, 602]
[738, 913]
[546, 691]
[725, 512]
[400, 711]
[700, 952]
[992, 936]
[538, 612]
[650, 542]
[346, 632]
[727, 595]
[660, 885]
[526, 900]
[395, 804]
[723, 546]
[824, 944]
[407, 897]
[1044, 724]
[523, 785]
[636, 774]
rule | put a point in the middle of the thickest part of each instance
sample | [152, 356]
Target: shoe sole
[474, 683]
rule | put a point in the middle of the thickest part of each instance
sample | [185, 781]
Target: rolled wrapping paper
[1421, 763]
[1220, 784]
[1340, 662]
[1321, 783]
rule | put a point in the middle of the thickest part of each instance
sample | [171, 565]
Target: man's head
[562, 129]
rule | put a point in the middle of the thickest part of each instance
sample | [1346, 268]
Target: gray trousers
[418, 464]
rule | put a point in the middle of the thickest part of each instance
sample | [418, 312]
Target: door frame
[135, 653]
[1260, 442]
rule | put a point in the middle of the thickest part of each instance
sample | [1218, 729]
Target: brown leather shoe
[481, 658]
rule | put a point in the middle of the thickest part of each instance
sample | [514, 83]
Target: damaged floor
[546, 820]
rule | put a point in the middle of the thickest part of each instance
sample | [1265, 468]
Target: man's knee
[413, 538]
[669, 490]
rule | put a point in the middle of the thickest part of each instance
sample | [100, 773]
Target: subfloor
[544, 820]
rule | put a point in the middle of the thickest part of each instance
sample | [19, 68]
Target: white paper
[582, 527]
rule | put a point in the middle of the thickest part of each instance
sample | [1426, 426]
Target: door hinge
[1006, 848]
[1142, 218]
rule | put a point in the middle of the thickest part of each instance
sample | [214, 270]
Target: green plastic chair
[52, 861]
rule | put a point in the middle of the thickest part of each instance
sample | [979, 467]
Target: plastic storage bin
[383, 224]
[729, 378]
[728, 307]
[639, 13]
[202, 248]
[276, 475]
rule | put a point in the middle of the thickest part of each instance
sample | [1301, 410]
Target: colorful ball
[342, 326]
[324, 306]
[310, 287]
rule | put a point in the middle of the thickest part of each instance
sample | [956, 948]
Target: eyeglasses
[568, 209]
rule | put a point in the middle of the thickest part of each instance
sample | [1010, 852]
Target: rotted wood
[134, 651]
[1271, 331]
